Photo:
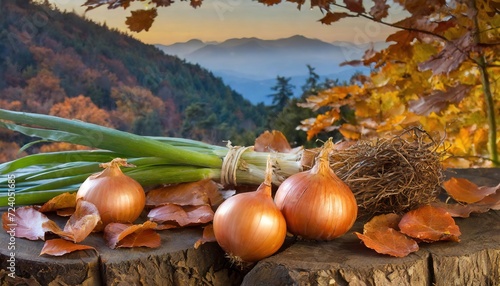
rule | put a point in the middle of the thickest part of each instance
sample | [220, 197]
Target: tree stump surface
[475, 260]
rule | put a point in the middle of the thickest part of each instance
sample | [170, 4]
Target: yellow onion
[118, 197]
[249, 226]
[316, 203]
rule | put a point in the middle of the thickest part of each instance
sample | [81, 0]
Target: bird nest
[392, 174]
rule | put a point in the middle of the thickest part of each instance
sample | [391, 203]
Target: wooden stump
[475, 260]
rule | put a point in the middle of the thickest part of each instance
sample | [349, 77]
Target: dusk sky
[218, 20]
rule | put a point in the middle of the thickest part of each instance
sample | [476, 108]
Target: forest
[58, 63]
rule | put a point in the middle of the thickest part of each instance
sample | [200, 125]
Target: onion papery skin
[118, 198]
[316, 204]
[249, 226]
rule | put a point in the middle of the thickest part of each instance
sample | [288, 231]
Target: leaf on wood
[386, 240]
[141, 20]
[128, 235]
[59, 247]
[386, 220]
[25, 222]
[429, 224]
[273, 141]
[491, 202]
[208, 236]
[463, 190]
[460, 210]
[195, 193]
[83, 221]
[355, 6]
[439, 100]
[379, 10]
[332, 17]
[182, 215]
[65, 201]
[451, 56]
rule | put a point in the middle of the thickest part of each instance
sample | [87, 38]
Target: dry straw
[391, 174]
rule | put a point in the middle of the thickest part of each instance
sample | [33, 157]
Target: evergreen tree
[284, 91]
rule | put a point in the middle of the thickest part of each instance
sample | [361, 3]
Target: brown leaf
[128, 235]
[451, 56]
[386, 240]
[208, 236]
[463, 190]
[25, 222]
[460, 210]
[491, 202]
[59, 202]
[332, 17]
[273, 141]
[355, 6]
[141, 20]
[429, 224]
[182, 215]
[83, 221]
[195, 193]
[59, 247]
[379, 10]
[439, 100]
[386, 220]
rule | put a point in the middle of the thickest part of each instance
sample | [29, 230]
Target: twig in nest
[391, 175]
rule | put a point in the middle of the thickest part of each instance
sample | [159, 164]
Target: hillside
[250, 65]
[59, 63]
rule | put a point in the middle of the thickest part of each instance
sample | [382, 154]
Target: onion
[249, 226]
[317, 204]
[118, 197]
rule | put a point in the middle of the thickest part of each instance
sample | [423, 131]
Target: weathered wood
[475, 260]
[176, 262]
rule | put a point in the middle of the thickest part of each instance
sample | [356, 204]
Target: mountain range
[250, 65]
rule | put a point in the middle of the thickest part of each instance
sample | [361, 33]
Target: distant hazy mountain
[250, 65]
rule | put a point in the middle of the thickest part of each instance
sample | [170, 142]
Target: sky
[218, 20]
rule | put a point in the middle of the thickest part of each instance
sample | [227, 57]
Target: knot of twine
[230, 164]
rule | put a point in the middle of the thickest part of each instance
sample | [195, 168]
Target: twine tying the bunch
[231, 163]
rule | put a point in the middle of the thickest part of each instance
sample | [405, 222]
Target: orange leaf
[465, 191]
[332, 17]
[429, 224]
[83, 221]
[380, 221]
[62, 201]
[25, 222]
[117, 235]
[195, 193]
[386, 240]
[272, 142]
[208, 236]
[182, 215]
[59, 247]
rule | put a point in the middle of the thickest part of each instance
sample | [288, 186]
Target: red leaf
[379, 10]
[273, 141]
[429, 224]
[355, 6]
[451, 56]
[208, 236]
[196, 193]
[141, 20]
[83, 221]
[332, 17]
[62, 201]
[25, 222]
[389, 241]
[59, 247]
[116, 235]
[439, 100]
[182, 215]
[463, 190]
